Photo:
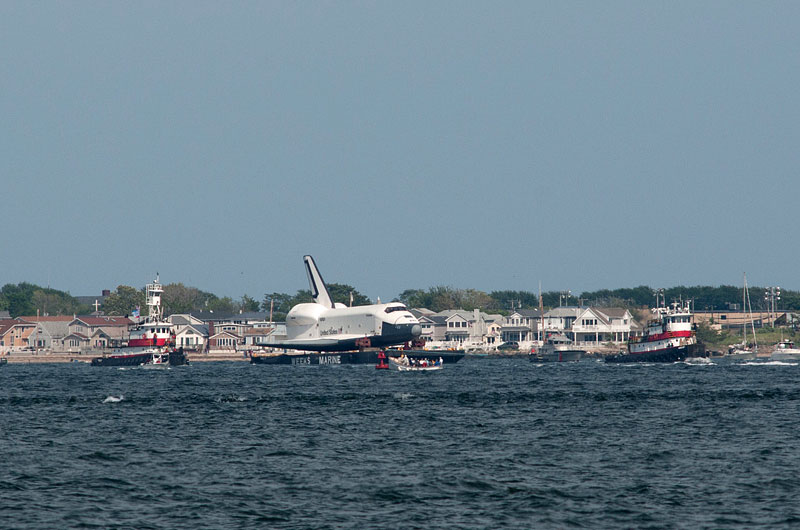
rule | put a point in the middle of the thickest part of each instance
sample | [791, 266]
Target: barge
[352, 357]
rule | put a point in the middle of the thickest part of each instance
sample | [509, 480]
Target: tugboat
[669, 337]
[152, 341]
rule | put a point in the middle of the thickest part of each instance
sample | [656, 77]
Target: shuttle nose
[416, 330]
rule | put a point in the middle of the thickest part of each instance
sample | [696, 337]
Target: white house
[470, 328]
[521, 326]
[595, 326]
[560, 320]
[191, 336]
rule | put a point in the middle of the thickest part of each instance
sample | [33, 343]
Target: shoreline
[65, 358]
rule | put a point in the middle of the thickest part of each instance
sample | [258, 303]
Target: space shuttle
[325, 326]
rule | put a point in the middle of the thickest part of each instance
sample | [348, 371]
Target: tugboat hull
[669, 355]
[176, 358]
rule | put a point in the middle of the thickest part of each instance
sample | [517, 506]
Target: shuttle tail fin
[318, 289]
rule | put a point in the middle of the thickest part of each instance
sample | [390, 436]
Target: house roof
[104, 321]
[613, 312]
[249, 315]
[183, 319]
[466, 315]
[228, 333]
[596, 312]
[56, 318]
[201, 329]
[8, 324]
[210, 316]
[56, 329]
[258, 331]
[529, 313]
[560, 312]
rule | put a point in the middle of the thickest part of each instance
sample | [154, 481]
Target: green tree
[222, 305]
[249, 304]
[179, 298]
[124, 300]
[19, 298]
[277, 302]
[53, 302]
[340, 293]
[517, 299]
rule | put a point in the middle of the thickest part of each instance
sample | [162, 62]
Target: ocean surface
[485, 443]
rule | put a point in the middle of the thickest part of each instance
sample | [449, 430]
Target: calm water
[485, 443]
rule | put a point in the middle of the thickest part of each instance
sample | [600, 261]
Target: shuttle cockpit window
[392, 309]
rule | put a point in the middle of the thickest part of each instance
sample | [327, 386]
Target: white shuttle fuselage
[325, 326]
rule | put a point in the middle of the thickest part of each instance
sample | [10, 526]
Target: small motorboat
[157, 361]
[408, 364]
[785, 351]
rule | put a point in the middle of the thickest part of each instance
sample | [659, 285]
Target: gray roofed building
[90, 300]
[184, 319]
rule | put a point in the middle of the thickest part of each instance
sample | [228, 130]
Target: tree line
[27, 299]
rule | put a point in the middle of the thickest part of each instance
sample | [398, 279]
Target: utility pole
[771, 296]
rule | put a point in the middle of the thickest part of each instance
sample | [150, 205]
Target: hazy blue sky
[403, 144]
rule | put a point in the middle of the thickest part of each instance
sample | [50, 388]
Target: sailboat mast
[750, 313]
[541, 314]
[744, 309]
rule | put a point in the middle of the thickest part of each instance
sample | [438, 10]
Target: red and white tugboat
[152, 341]
[669, 337]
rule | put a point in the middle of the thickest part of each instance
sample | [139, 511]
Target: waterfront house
[258, 336]
[458, 325]
[433, 327]
[101, 331]
[521, 326]
[595, 326]
[469, 328]
[14, 334]
[75, 343]
[50, 331]
[493, 332]
[560, 320]
[223, 341]
[191, 336]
